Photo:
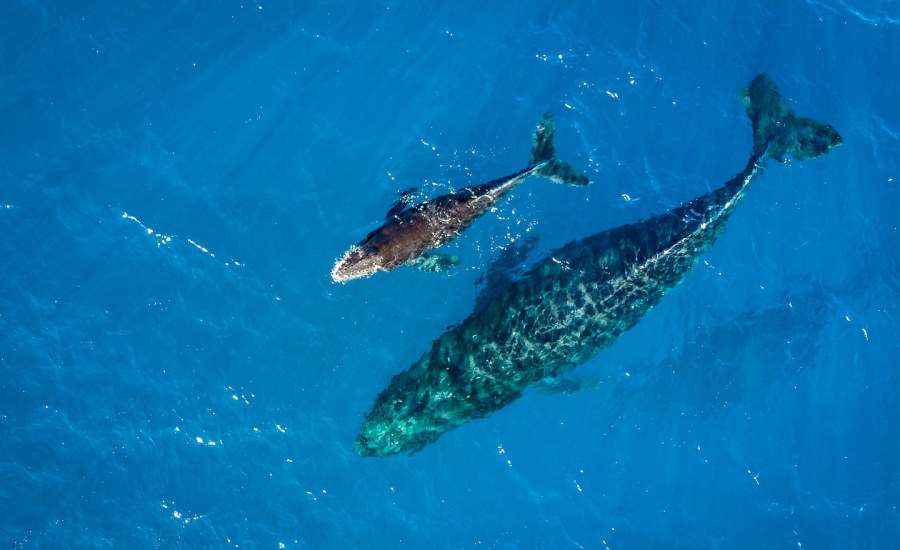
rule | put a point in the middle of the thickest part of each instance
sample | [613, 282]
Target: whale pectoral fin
[504, 270]
[396, 209]
[402, 203]
[434, 262]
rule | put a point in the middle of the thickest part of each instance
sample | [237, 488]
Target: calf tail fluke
[544, 152]
[543, 148]
[778, 133]
[558, 171]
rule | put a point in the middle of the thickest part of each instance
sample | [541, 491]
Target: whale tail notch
[544, 152]
[778, 133]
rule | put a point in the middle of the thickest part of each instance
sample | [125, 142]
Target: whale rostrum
[413, 230]
[577, 300]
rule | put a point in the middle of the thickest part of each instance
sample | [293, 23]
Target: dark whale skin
[412, 231]
[576, 301]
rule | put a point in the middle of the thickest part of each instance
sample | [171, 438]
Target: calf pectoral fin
[434, 262]
[402, 203]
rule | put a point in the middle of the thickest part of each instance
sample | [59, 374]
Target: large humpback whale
[576, 301]
[412, 230]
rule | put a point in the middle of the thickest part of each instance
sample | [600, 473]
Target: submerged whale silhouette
[576, 301]
[412, 230]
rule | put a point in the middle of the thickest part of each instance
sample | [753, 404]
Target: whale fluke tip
[778, 132]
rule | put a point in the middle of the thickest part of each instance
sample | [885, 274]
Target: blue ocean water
[178, 370]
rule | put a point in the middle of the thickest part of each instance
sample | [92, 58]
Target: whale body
[412, 230]
[576, 301]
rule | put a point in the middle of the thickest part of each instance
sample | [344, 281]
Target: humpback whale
[575, 301]
[410, 231]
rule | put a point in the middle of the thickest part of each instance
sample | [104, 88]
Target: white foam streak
[163, 239]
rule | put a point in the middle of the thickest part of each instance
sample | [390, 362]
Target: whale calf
[576, 301]
[412, 230]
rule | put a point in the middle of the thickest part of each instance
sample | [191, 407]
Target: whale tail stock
[544, 151]
[778, 133]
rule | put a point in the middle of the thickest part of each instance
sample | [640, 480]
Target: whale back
[575, 301]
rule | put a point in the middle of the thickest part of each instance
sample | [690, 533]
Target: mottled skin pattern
[564, 310]
[568, 306]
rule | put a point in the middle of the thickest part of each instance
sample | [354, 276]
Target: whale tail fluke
[544, 151]
[778, 133]
[543, 148]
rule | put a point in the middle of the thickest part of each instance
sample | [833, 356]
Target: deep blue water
[177, 179]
